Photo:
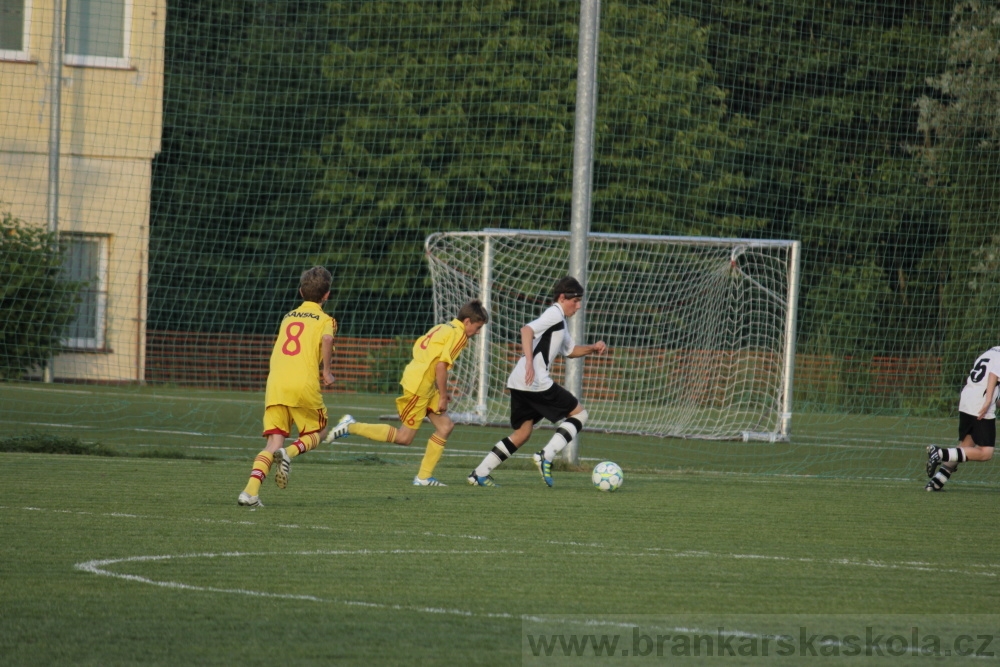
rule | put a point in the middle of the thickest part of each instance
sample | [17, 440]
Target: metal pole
[485, 292]
[55, 134]
[790, 319]
[583, 164]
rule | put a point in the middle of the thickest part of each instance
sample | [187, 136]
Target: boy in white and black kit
[533, 392]
[977, 430]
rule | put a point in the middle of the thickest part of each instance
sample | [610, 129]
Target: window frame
[107, 62]
[24, 54]
[99, 341]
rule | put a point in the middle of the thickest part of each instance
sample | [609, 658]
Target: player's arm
[527, 348]
[441, 380]
[991, 387]
[326, 354]
[583, 350]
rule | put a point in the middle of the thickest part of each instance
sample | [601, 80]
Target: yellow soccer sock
[435, 448]
[305, 443]
[261, 466]
[376, 432]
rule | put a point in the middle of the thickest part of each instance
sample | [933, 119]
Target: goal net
[700, 331]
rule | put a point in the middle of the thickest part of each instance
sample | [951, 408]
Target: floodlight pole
[583, 167]
[55, 135]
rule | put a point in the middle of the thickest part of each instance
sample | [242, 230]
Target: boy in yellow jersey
[425, 391]
[305, 339]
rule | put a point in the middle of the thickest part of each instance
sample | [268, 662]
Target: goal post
[701, 331]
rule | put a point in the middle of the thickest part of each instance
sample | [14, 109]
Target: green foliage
[460, 116]
[386, 365]
[35, 303]
[451, 116]
[961, 134]
[244, 107]
[666, 140]
[343, 133]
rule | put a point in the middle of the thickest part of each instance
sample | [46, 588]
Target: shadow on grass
[38, 443]
[44, 443]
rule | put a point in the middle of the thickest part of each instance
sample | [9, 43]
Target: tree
[961, 158]
[460, 115]
[35, 303]
[232, 210]
[830, 91]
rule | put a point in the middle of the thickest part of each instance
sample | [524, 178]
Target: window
[98, 32]
[87, 261]
[15, 15]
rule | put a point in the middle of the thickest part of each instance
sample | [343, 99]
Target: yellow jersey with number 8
[293, 378]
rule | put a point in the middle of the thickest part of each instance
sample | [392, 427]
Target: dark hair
[474, 311]
[315, 283]
[569, 287]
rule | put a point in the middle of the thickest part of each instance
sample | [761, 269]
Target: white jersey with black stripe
[974, 391]
[552, 339]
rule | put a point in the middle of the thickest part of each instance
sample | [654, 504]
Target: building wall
[111, 124]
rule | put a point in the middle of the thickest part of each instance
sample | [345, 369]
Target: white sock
[501, 451]
[953, 454]
[564, 435]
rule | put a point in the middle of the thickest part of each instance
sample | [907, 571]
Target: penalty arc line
[98, 567]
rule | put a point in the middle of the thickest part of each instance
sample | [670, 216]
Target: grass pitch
[146, 561]
[128, 560]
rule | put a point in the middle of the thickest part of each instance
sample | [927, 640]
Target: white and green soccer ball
[607, 476]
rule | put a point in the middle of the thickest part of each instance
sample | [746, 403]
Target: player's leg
[523, 418]
[565, 432]
[974, 452]
[412, 410]
[277, 422]
[940, 455]
[339, 430]
[977, 438]
[966, 425]
[312, 427]
[443, 426]
[383, 432]
[502, 450]
[981, 440]
[561, 407]
[941, 477]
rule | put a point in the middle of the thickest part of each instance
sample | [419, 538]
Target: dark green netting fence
[213, 149]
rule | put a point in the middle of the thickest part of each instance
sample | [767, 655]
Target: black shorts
[983, 431]
[554, 404]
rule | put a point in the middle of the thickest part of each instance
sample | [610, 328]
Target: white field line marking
[52, 425]
[981, 569]
[99, 567]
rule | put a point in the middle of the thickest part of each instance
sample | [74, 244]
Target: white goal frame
[496, 266]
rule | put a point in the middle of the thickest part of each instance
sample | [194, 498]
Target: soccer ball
[607, 476]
